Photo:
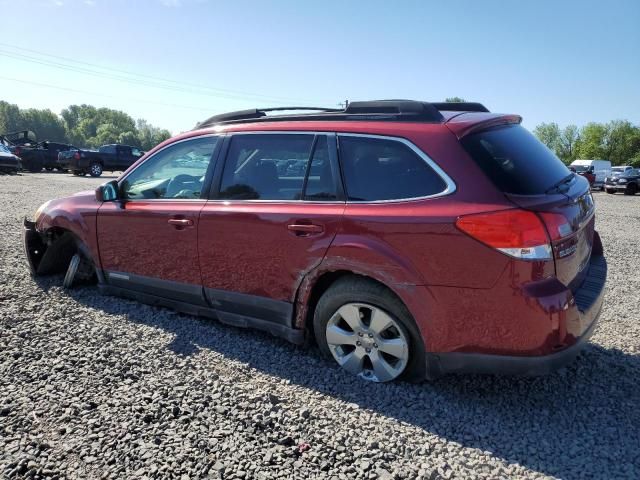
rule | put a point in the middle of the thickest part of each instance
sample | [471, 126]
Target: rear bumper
[587, 300]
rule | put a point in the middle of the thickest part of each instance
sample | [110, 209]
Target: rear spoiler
[466, 124]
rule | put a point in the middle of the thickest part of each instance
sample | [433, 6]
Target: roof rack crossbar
[387, 110]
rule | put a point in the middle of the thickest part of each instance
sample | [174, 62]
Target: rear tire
[387, 349]
[95, 170]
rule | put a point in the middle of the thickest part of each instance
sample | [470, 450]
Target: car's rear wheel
[367, 330]
[95, 170]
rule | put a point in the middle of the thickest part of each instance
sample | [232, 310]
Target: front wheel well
[60, 247]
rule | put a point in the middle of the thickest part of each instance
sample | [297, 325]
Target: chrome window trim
[450, 184]
[196, 137]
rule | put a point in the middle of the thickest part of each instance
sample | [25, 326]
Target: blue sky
[563, 61]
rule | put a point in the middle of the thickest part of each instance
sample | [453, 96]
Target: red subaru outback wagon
[409, 239]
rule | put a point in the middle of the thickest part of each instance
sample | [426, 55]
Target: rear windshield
[515, 160]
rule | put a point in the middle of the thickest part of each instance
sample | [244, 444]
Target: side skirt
[290, 334]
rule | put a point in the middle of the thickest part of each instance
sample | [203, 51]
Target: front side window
[381, 169]
[274, 167]
[177, 171]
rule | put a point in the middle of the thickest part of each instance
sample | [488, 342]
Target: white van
[600, 168]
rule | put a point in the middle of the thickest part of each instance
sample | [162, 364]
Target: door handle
[180, 222]
[305, 229]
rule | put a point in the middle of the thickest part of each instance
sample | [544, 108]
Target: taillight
[517, 233]
[557, 225]
[76, 155]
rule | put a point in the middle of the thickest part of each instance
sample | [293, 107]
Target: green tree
[150, 136]
[567, 143]
[549, 134]
[10, 117]
[454, 99]
[46, 124]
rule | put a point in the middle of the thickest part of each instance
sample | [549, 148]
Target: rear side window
[274, 167]
[381, 169]
[515, 160]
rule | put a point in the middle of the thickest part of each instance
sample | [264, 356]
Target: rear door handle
[305, 229]
[180, 222]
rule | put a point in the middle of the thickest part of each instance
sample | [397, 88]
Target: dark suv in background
[108, 157]
[627, 182]
[408, 239]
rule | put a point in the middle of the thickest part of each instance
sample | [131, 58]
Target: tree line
[617, 141]
[82, 126]
[88, 126]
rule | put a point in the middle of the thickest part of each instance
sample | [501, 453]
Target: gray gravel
[98, 387]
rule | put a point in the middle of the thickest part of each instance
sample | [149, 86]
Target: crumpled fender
[77, 215]
[368, 257]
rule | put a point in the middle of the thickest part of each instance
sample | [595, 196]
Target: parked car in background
[34, 156]
[9, 163]
[627, 182]
[601, 169]
[41, 155]
[586, 172]
[619, 170]
[419, 238]
[107, 158]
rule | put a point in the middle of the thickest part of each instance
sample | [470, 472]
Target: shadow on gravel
[584, 418]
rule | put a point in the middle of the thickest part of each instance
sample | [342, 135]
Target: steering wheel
[179, 183]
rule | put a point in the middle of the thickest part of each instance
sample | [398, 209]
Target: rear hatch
[534, 179]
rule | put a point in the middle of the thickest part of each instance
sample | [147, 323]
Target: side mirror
[108, 192]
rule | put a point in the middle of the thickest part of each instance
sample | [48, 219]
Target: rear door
[148, 242]
[533, 178]
[275, 211]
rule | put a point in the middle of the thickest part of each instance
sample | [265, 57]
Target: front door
[276, 212]
[148, 241]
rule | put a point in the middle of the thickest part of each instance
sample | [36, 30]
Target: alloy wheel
[367, 342]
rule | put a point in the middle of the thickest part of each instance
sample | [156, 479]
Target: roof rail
[383, 110]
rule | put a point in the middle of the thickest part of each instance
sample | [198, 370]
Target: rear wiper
[556, 186]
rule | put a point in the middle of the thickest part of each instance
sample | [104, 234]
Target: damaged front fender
[48, 252]
[34, 246]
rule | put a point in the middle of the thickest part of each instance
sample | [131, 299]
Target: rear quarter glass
[515, 160]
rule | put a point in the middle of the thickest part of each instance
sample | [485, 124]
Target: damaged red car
[408, 239]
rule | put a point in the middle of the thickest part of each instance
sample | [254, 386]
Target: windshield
[515, 160]
[4, 149]
[579, 168]
[630, 173]
[618, 169]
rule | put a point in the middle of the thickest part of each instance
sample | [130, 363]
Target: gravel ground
[98, 387]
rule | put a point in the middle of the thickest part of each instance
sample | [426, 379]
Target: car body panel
[256, 234]
[135, 238]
